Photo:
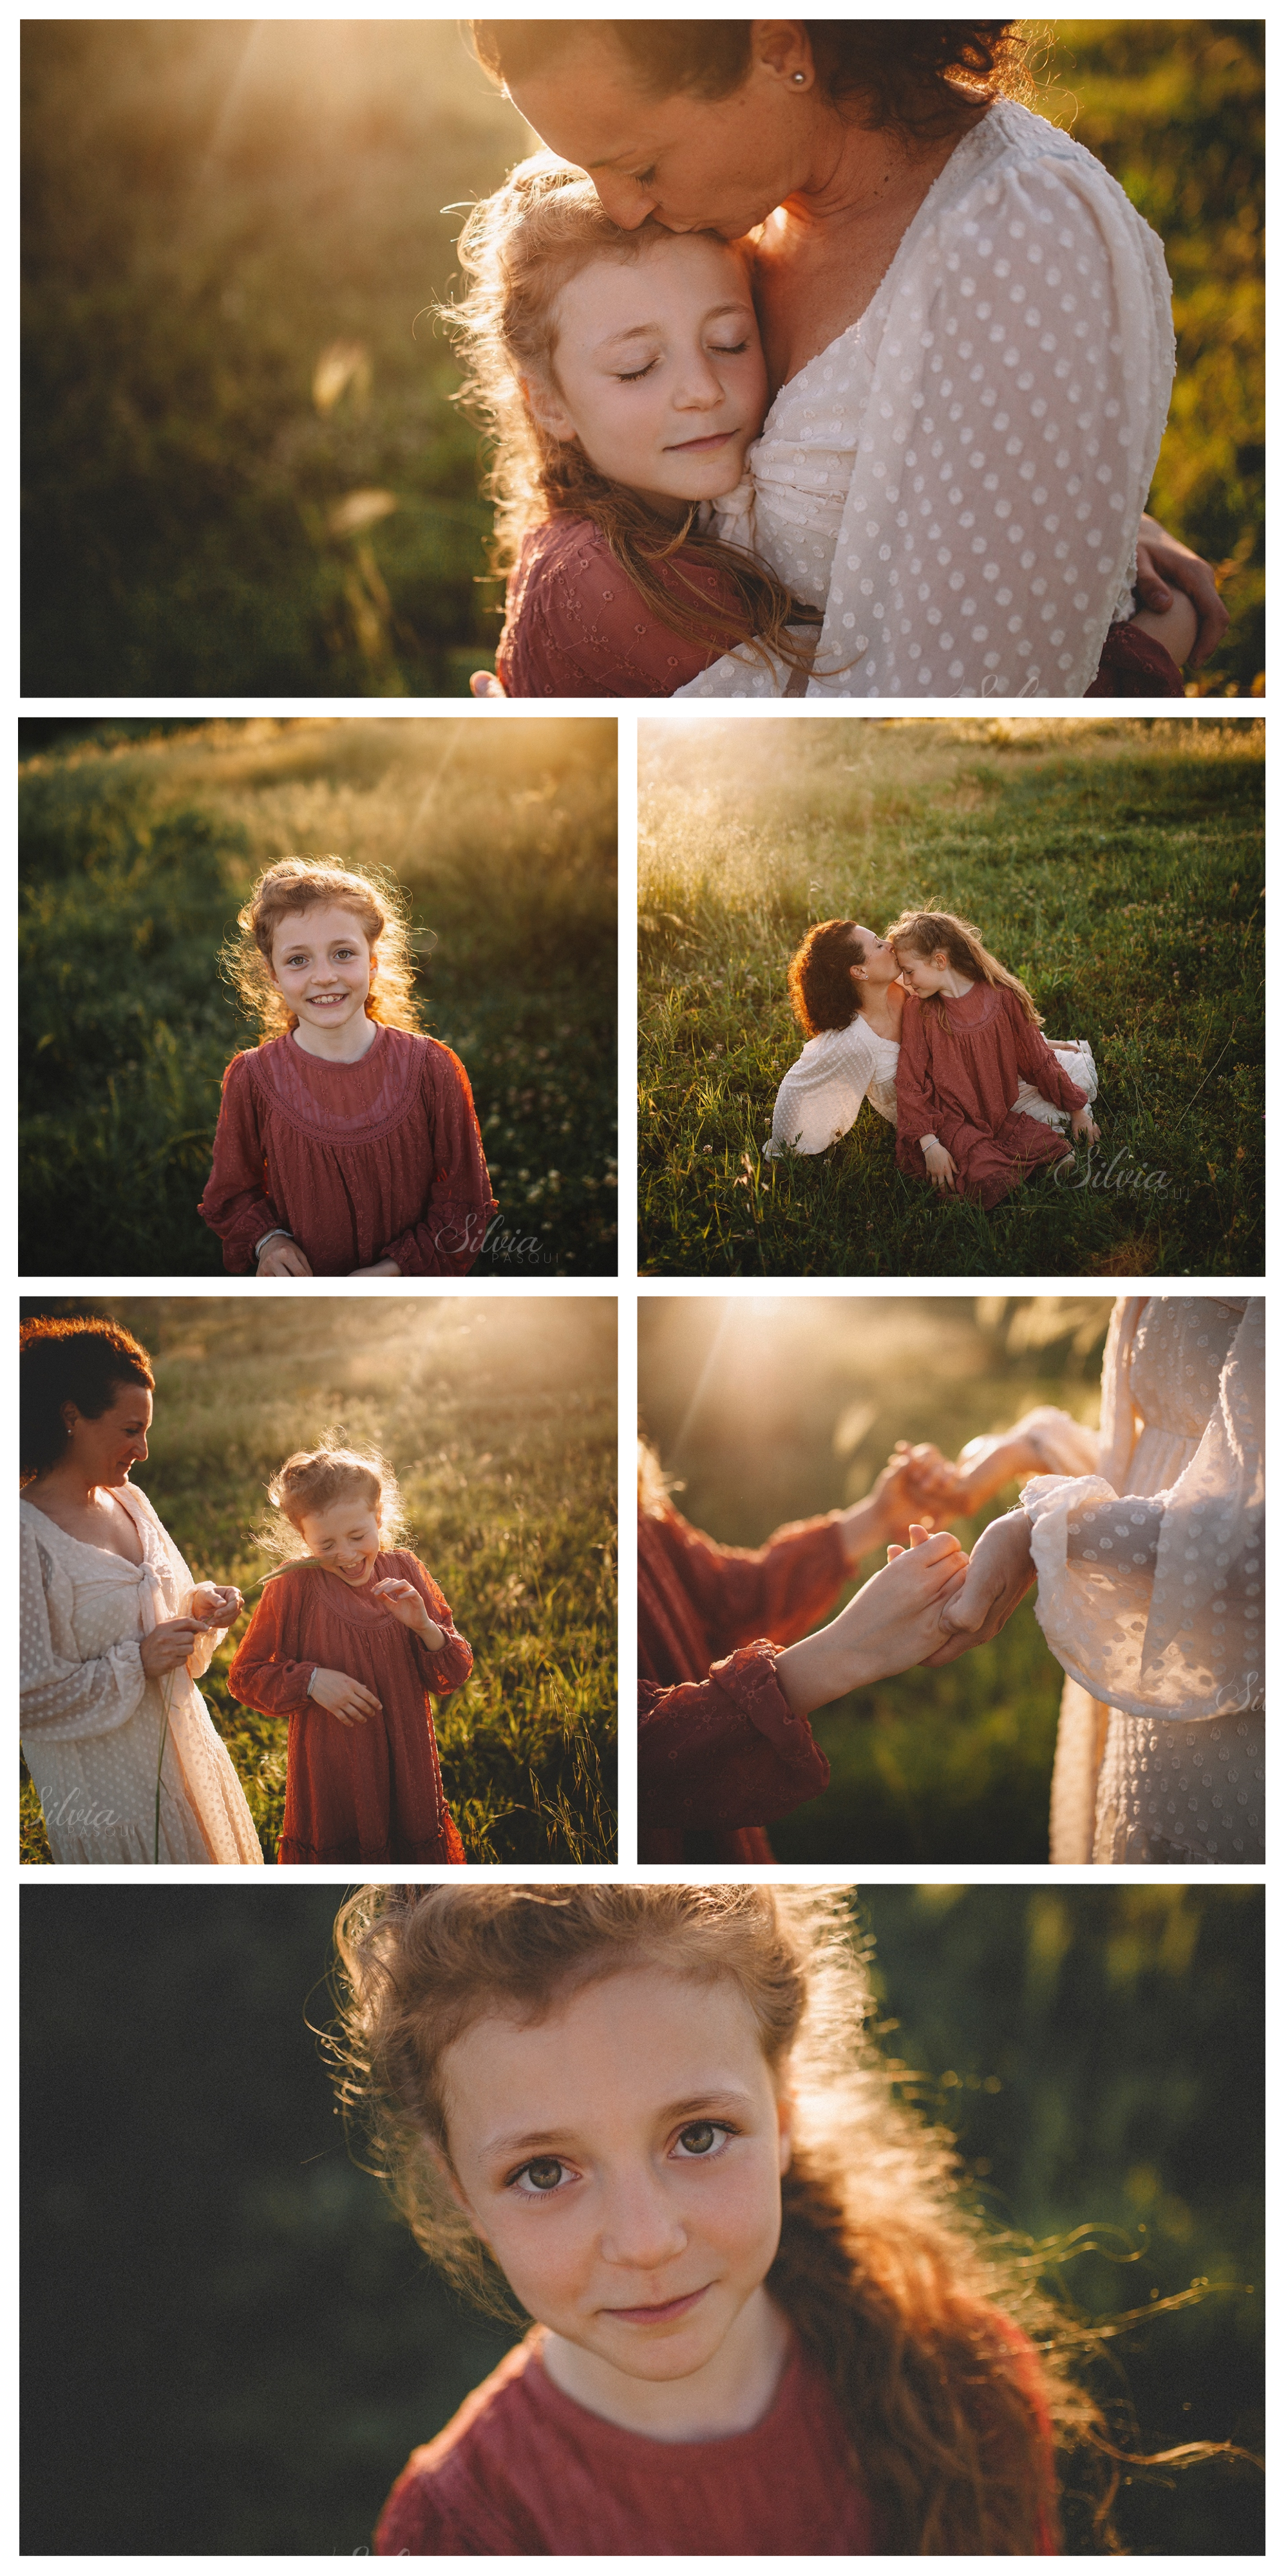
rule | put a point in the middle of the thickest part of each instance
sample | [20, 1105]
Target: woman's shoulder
[1013, 150]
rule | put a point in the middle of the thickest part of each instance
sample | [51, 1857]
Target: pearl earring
[799, 79]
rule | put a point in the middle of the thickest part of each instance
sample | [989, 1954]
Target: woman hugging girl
[347, 1641]
[347, 1145]
[652, 2119]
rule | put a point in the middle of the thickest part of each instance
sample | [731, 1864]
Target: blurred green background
[137, 845]
[499, 1418]
[244, 472]
[768, 1409]
[230, 2346]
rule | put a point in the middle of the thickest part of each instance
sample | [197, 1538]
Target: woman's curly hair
[949, 2365]
[822, 990]
[519, 249]
[83, 1360]
[381, 910]
[922, 75]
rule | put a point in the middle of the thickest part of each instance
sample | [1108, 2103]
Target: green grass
[1115, 866]
[135, 853]
[500, 1419]
[952, 1766]
[210, 206]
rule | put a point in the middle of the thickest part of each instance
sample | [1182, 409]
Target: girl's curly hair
[520, 248]
[822, 990]
[311, 1480]
[381, 910]
[963, 945]
[922, 75]
[919, 2315]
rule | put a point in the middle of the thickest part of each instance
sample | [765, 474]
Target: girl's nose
[699, 388]
[641, 2230]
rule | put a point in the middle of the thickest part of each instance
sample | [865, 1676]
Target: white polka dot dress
[92, 1720]
[957, 481]
[1151, 1593]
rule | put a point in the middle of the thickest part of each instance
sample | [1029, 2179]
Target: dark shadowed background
[231, 2347]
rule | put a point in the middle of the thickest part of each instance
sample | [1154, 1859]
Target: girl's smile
[622, 2160]
[344, 1539]
[657, 370]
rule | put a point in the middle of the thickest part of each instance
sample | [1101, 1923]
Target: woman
[725, 1744]
[1147, 1549]
[967, 324]
[112, 1624]
[847, 996]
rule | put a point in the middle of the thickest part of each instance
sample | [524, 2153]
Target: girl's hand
[918, 1484]
[345, 1698]
[282, 1259]
[1162, 560]
[485, 684]
[218, 1603]
[170, 1645]
[940, 1167]
[1084, 1125]
[1000, 1573]
[892, 1623]
[378, 1270]
[406, 1604]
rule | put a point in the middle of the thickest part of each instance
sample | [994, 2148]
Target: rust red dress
[576, 626]
[355, 1793]
[720, 1752]
[958, 1083]
[376, 1161]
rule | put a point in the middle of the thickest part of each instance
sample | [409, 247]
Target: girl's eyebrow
[727, 2097]
[646, 330]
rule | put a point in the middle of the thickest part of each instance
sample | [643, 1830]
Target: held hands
[918, 1484]
[170, 1644]
[345, 1698]
[940, 1167]
[1000, 1572]
[1084, 1125]
[282, 1259]
[406, 1604]
[892, 1623]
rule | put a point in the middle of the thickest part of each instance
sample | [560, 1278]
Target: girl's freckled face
[322, 965]
[622, 2159]
[658, 370]
[919, 973]
[345, 1540]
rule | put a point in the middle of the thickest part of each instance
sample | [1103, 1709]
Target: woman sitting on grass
[348, 1645]
[971, 1053]
[849, 993]
[347, 1145]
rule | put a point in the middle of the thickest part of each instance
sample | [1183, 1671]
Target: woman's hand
[169, 1645]
[940, 1167]
[917, 1484]
[892, 1623]
[217, 1603]
[1000, 1572]
[406, 1604]
[1162, 561]
[378, 1270]
[345, 1698]
[1084, 1125]
[485, 684]
[283, 1259]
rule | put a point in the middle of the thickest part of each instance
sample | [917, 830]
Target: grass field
[244, 469]
[500, 1418]
[135, 853]
[1115, 866]
[951, 1766]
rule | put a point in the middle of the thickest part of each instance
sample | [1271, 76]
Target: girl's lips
[700, 446]
[662, 2315]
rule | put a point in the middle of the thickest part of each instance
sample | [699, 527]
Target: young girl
[765, 2323]
[349, 1647]
[347, 1144]
[621, 379]
[980, 1093]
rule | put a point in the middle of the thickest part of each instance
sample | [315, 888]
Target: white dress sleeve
[820, 1096]
[1156, 1605]
[182, 1586]
[1019, 403]
[60, 1696]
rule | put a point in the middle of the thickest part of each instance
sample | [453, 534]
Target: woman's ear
[546, 408]
[70, 1416]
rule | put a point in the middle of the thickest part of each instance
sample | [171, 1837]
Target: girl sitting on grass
[767, 2323]
[347, 1144]
[348, 1645]
[980, 1095]
[621, 379]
